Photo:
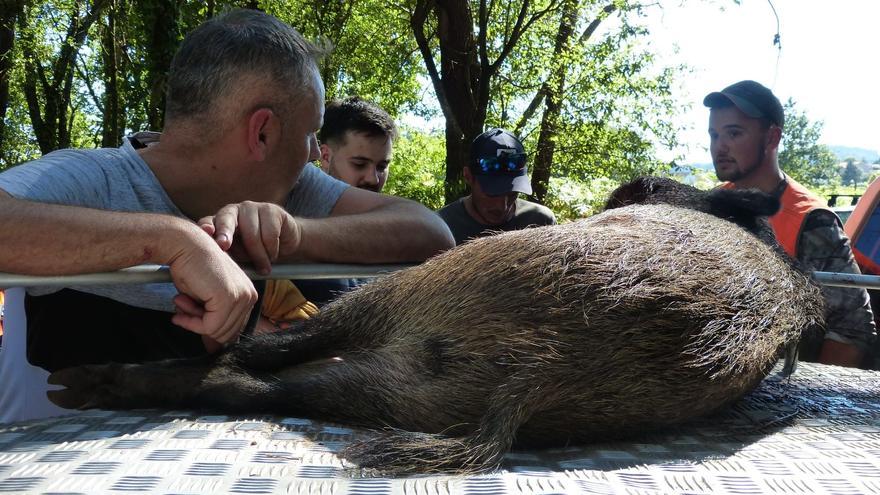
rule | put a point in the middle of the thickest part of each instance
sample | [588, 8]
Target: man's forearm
[44, 239]
[399, 232]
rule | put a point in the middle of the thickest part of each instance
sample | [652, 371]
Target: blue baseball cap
[498, 161]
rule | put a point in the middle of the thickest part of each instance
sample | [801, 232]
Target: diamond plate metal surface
[818, 432]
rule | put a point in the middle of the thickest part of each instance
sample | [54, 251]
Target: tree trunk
[331, 19]
[162, 21]
[463, 80]
[553, 91]
[113, 122]
[460, 75]
[9, 12]
[457, 155]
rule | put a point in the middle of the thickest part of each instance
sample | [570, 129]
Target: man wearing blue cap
[745, 130]
[496, 175]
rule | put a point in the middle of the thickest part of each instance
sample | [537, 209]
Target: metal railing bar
[148, 274]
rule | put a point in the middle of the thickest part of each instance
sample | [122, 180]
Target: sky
[828, 63]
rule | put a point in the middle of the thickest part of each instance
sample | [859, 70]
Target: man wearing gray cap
[745, 130]
[496, 175]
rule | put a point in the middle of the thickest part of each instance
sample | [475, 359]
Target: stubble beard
[737, 174]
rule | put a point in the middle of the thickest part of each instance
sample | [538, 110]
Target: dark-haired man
[227, 180]
[496, 174]
[745, 129]
[356, 143]
[356, 148]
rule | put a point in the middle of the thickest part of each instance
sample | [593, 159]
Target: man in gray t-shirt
[227, 181]
[496, 174]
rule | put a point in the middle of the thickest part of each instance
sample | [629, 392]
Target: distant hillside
[844, 152]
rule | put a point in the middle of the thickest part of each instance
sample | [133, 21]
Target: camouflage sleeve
[823, 246]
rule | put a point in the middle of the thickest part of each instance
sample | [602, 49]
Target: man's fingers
[219, 320]
[235, 320]
[226, 326]
[189, 322]
[188, 305]
[207, 225]
[230, 317]
[225, 223]
[270, 232]
[250, 230]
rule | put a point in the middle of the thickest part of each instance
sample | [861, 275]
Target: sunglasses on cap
[504, 163]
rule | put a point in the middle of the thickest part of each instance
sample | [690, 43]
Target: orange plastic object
[863, 229]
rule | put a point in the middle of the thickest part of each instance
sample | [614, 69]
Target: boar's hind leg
[173, 383]
[282, 349]
[395, 452]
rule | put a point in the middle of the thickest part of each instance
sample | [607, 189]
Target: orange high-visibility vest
[797, 201]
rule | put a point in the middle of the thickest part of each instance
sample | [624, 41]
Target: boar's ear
[633, 192]
[740, 205]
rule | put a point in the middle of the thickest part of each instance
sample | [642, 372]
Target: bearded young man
[745, 130]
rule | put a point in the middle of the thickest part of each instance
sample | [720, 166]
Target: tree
[49, 81]
[852, 174]
[801, 156]
[602, 101]
[161, 25]
[9, 12]
[469, 61]
[588, 103]
[385, 72]
[417, 168]
[493, 60]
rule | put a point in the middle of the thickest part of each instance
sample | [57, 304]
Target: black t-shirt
[464, 227]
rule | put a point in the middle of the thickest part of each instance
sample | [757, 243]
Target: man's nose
[501, 202]
[371, 177]
[314, 149]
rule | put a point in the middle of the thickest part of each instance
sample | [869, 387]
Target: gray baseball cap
[752, 98]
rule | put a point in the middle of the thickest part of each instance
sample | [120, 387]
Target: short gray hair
[240, 42]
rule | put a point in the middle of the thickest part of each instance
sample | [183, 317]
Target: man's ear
[263, 132]
[326, 157]
[468, 176]
[774, 137]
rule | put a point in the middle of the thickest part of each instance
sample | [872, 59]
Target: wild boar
[669, 305]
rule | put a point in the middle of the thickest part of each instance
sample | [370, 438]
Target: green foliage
[417, 168]
[700, 178]
[571, 199]
[801, 156]
[616, 104]
[852, 174]
[373, 52]
[19, 142]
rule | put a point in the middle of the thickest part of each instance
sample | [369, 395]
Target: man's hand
[255, 232]
[215, 297]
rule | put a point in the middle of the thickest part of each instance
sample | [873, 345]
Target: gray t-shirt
[118, 179]
[464, 227]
